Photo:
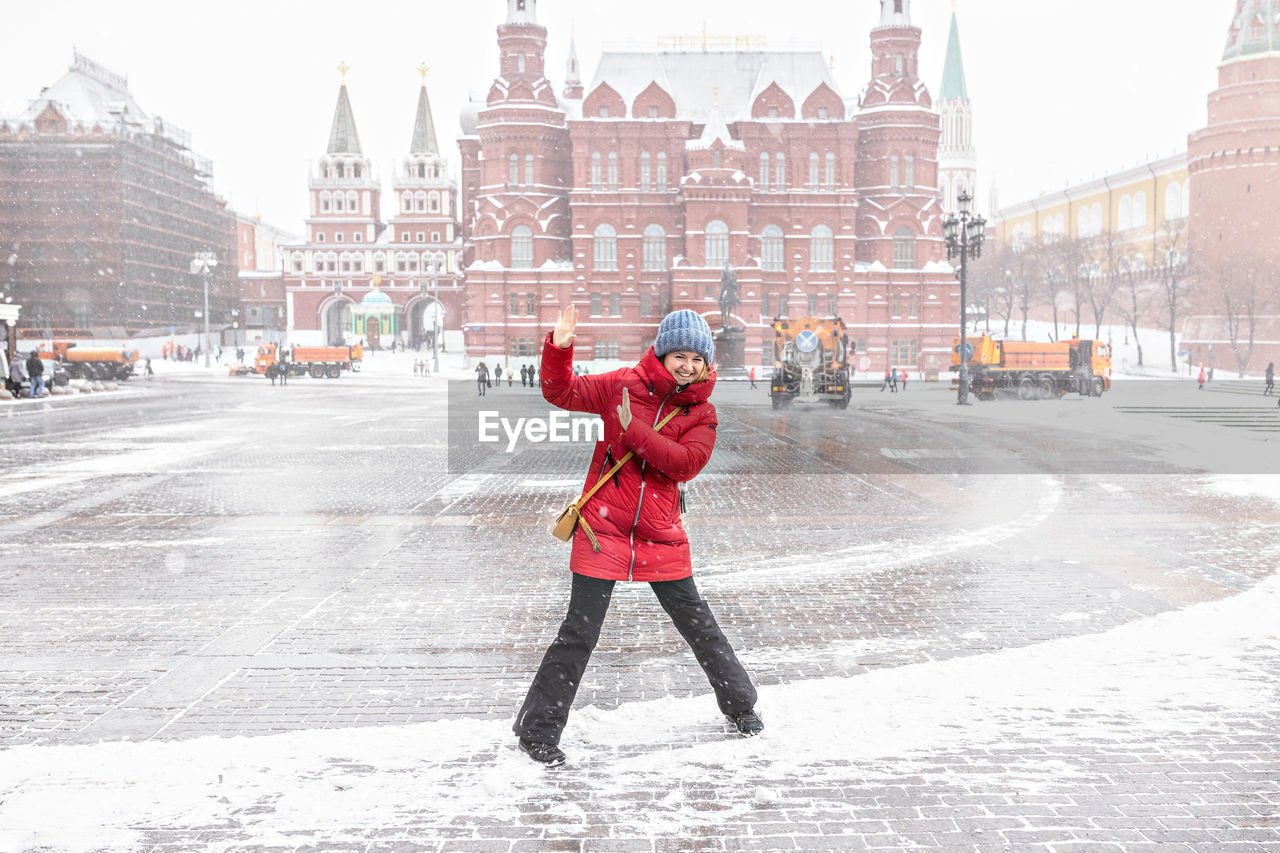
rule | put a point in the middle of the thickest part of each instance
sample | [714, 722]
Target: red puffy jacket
[636, 516]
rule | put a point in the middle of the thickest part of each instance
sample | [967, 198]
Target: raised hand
[562, 334]
[624, 410]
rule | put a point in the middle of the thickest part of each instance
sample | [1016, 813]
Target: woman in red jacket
[636, 518]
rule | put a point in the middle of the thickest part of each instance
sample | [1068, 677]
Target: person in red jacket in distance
[636, 518]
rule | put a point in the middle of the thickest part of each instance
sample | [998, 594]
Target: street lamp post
[436, 260]
[964, 233]
[203, 263]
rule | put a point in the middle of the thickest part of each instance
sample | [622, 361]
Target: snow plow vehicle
[101, 363]
[1032, 370]
[316, 362]
[810, 362]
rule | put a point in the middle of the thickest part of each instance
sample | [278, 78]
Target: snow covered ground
[1176, 672]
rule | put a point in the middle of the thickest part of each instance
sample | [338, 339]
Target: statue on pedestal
[728, 296]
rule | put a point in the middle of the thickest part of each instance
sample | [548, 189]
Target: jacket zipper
[640, 500]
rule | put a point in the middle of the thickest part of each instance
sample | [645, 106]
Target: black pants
[546, 709]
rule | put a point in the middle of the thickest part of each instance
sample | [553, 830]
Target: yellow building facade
[1135, 214]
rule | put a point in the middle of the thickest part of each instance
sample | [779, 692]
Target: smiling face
[684, 365]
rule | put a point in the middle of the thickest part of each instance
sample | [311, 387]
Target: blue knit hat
[685, 330]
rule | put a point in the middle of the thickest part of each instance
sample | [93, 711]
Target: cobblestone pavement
[225, 558]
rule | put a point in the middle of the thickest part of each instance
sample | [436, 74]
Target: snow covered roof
[90, 94]
[693, 78]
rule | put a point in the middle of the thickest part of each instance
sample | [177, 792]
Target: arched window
[1139, 263]
[1095, 219]
[1059, 224]
[613, 170]
[771, 255]
[662, 171]
[1126, 213]
[1047, 226]
[1139, 210]
[513, 171]
[433, 202]
[904, 249]
[822, 249]
[528, 170]
[325, 201]
[340, 170]
[339, 202]
[655, 248]
[406, 202]
[1173, 202]
[813, 170]
[909, 176]
[893, 172]
[522, 247]
[830, 177]
[595, 171]
[764, 171]
[646, 178]
[780, 170]
[717, 244]
[605, 248]
[1082, 222]
[420, 200]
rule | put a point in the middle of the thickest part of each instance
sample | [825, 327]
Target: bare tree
[1138, 298]
[1103, 279]
[1238, 289]
[1173, 279]
[995, 286]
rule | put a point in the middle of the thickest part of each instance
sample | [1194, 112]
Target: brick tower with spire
[425, 240]
[356, 277]
[1234, 163]
[957, 156]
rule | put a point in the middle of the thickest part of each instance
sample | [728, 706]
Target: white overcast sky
[1062, 91]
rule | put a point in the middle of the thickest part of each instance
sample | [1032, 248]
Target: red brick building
[102, 208]
[1234, 162]
[358, 278]
[633, 195]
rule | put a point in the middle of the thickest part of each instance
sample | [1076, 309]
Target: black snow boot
[748, 723]
[543, 753]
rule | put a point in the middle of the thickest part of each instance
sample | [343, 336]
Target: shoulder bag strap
[623, 461]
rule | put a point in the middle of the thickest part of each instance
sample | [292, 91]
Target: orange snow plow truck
[1032, 370]
[316, 362]
[102, 363]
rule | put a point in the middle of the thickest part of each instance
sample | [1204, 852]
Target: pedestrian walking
[17, 376]
[511, 376]
[524, 376]
[1201, 380]
[751, 377]
[497, 374]
[147, 371]
[284, 367]
[659, 409]
[904, 379]
[1271, 379]
[885, 383]
[482, 378]
[35, 372]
